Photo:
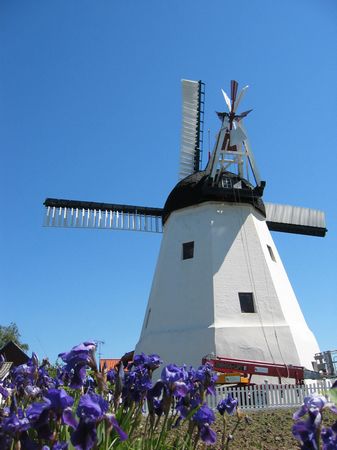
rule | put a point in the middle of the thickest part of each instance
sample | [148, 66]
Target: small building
[11, 355]
[111, 363]
[108, 363]
[326, 363]
[11, 352]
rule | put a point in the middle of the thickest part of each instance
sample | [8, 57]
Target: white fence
[270, 395]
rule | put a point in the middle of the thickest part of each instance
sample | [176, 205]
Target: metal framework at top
[232, 151]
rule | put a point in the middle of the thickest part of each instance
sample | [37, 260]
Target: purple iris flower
[85, 436]
[60, 405]
[32, 391]
[174, 378]
[137, 382]
[173, 386]
[15, 424]
[204, 417]
[92, 407]
[180, 389]
[196, 383]
[81, 352]
[306, 434]
[59, 399]
[157, 389]
[56, 405]
[171, 373]
[37, 413]
[329, 439]
[91, 410]
[306, 431]
[56, 446]
[207, 435]
[177, 388]
[111, 375]
[45, 381]
[206, 376]
[38, 416]
[60, 446]
[23, 375]
[113, 422]
[151, 362]
[185, 405]
[77, 360]
[311, 403]
[314, 403]
[29, 378]
[200, 382]
[227, 405]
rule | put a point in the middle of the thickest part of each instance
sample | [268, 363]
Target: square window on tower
[247, 302]
[188, 250]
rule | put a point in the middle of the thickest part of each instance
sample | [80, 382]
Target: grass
[261, 430]
[267, 430]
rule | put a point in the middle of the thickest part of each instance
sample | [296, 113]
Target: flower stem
[224, 422]
[232, 433]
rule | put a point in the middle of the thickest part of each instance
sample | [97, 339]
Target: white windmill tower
[219, 285]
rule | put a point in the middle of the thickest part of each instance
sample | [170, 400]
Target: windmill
[219, 285]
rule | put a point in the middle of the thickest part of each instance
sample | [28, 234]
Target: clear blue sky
[90, 109]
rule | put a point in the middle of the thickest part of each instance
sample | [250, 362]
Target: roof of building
[198, 188]
[109, 363]
[13, 353]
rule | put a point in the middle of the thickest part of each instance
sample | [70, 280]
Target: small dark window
[188, 250]
[271, 253]
[226, 182]
[246, 302]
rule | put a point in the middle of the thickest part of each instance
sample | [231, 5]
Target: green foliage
[11, 333]
[333, 395]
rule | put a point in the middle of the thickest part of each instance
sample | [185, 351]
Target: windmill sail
[79, 214]
[192, 127]
[295, 219]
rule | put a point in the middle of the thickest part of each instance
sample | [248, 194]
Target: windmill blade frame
[82, 214]
[193, 100]
[295, 220]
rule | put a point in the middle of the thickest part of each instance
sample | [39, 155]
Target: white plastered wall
[194, 308]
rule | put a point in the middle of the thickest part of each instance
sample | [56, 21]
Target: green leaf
[333, 395]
